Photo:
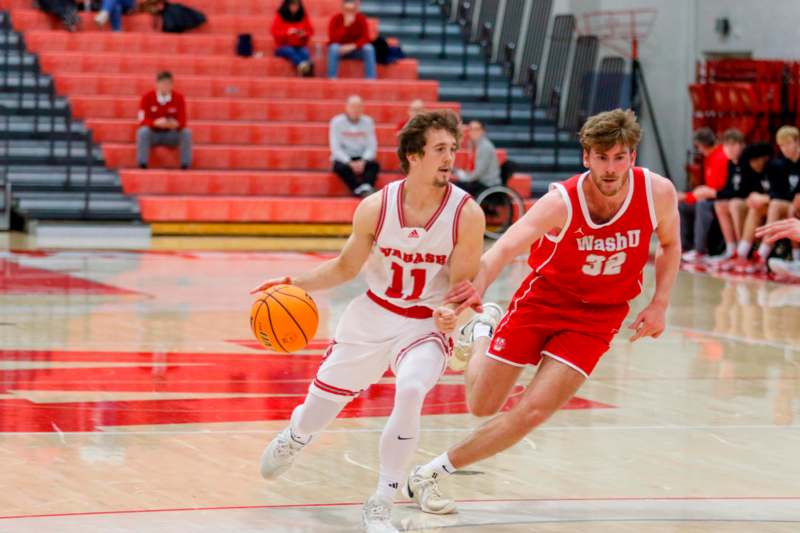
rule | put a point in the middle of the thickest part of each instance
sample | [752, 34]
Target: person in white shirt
[354, 148]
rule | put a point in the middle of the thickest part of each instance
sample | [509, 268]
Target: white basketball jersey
[410, 266]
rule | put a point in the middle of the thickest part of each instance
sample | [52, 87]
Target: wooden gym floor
[132, 398]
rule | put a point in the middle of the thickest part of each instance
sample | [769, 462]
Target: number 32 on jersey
[607, 266]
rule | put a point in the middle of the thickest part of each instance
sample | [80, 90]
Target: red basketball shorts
[541, 321]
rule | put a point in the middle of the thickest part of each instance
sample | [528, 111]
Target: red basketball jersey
[599, 263]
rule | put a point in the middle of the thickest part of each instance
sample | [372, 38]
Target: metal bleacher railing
[500, 28]
[39, 126]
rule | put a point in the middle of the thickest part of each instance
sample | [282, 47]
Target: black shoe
[364, 190]
[143, 165]
[184, 167]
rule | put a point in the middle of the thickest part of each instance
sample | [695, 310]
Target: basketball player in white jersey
[418, 238]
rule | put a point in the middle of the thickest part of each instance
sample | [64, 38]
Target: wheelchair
[502, 205]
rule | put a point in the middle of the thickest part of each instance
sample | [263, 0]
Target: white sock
[796, 254]
[299, 439]
[439, 467]
[730, 249]
[763, 250]
[416, 375]
[387, 487]
[744, 249]
[481, 330]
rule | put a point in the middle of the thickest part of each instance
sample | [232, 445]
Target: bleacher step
[251, 229]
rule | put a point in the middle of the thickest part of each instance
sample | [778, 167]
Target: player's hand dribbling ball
[284, 318]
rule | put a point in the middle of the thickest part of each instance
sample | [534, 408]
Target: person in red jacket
[348, 38]
[162, 122]
[292, 31]
[697, 206]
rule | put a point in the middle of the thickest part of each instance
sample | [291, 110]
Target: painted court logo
[64, 398]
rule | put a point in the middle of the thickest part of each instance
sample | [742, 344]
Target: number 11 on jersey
[398, 277]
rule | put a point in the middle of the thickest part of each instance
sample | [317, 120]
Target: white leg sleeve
[417, 374]
[313, 415]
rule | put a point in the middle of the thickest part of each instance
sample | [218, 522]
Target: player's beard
[610, 188]
[440, 179]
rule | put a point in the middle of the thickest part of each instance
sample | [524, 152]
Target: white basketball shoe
[785, 269]
[463, 346]
[424, 490]
[279, 454]
[376, 515]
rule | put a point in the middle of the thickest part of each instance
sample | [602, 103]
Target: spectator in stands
[484, 169]
[777, 203]
[748, 184]
[112, 10]
[162, 122]
[757, 202]
[292, 31]
[348, 38]
[65, 10]
[729, 206]
[784, 173]
[696, 207]
[354, 148]
[414, 108]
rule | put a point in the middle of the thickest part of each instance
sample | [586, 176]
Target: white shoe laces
[286, 448]
[377, 512]
[428, 486]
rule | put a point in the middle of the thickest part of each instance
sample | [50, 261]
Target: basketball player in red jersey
[416, 240]
[589, 240]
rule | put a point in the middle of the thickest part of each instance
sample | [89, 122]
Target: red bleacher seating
[250, 133]
[142, 23]
[246, 209]
[746, 94]
[152, 43]
[236, 157]
[272, 87]
[315, 8]
[260, 133]
[197, 65]
[245, 109]
[255, 183]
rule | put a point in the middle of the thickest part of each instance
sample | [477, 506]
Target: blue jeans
[366, 53]
[115, 9]
[295, 54]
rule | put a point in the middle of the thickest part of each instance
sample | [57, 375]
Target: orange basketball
[284, 318]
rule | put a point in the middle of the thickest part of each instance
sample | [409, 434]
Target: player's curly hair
[414, 134]
[605, 130]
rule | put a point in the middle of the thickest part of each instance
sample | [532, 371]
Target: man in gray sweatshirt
[354, 148]
[486, 170]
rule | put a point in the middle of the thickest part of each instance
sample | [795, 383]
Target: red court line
[350, 504]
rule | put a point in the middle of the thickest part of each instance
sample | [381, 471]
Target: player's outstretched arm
[549, 213]
[788, 228]
[652, 319]
[465, 259]
[349, 261]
